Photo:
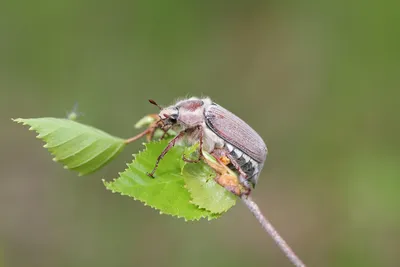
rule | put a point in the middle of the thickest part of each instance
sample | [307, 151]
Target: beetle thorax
[191, 112]
[188, 115]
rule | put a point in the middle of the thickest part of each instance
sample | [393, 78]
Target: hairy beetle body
[219, 132]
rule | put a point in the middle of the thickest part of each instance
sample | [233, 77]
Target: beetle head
[169, 115]
[185, 113]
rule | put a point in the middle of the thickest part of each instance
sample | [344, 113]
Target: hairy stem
[253, 207]
[136, 137]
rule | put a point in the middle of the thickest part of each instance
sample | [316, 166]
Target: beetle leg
[170, 145]
[150, 135]
[226, 178]
[165, 130]
[157, 125]
[225, 158]
[200, 150]
[220, 155]
[149, 132]
[242, 175]
[236, 165]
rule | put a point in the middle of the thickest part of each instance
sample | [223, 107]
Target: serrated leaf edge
[209, 217]
[55, 159]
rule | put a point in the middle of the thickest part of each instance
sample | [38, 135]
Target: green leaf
[167, 191]
[77, 146]
[145, 121]
[181, 189]
[204, 191]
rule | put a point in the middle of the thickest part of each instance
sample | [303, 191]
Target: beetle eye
[173, 118]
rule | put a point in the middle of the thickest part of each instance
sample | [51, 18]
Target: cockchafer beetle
[233, 143]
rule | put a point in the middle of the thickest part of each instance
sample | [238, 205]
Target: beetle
[225, 136]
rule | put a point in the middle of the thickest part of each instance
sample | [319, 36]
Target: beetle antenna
[155, 103]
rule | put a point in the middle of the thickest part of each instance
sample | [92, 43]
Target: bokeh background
[318, 80]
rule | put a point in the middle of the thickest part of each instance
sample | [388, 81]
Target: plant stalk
[253, 207]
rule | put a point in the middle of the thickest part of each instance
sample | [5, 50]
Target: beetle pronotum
[232, 142]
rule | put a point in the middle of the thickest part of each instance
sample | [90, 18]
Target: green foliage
[181, 189]
[204, 191]
[77, 146]
[144, 122]
[166, 192]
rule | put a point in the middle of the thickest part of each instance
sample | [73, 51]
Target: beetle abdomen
[248, 165]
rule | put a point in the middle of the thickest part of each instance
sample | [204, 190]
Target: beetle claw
[151, 175]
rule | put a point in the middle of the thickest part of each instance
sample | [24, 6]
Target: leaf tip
[18, 120]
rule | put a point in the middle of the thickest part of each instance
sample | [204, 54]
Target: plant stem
[253, 207]
[136, 137]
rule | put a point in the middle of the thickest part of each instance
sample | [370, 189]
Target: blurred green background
[318, 80]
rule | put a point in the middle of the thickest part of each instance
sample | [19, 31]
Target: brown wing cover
[235, 131]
